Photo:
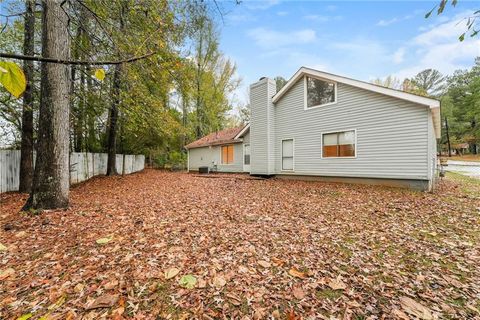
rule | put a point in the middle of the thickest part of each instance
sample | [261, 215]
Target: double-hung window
[287, 154]
[339, 144]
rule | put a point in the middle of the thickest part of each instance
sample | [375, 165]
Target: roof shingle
[216, 138]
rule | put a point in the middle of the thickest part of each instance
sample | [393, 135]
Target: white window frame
[305, 93]
[244, 146]
[338, 131]
[293, 155]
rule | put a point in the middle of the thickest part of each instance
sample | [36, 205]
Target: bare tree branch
[74, 62]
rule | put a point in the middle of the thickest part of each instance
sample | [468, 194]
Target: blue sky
[362, 40]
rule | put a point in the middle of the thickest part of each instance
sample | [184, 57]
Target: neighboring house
[330, 127]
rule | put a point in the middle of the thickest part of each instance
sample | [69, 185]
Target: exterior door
[246, 158]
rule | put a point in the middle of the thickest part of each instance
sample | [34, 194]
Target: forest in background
[166, 100]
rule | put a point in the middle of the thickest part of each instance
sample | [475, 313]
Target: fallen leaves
[171, 273]
[105, 301]
[188, 281]
[188, 247]
[104, 240]
[3, 247]
[337, 284]
[414, 308]
[296, 273]
[4, 274]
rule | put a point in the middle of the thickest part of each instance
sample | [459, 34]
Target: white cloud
[399, 56]
[267, 38]
[439, 48]
[282, 13]
[321, 18]
[384, 23]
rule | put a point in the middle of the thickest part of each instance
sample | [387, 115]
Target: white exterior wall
[205, 156]
[262, 127]
[392, 134]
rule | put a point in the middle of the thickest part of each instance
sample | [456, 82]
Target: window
[227, 154]
[339, 144]
[320, 92]
[246, 156]
[287, 154]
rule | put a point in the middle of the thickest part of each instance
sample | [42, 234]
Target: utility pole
[448, 138]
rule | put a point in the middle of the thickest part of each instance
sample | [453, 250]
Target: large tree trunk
[26, 153]
[112, 131]
[113, 116]
[51, 177]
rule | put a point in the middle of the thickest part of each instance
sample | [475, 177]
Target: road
[468, 168]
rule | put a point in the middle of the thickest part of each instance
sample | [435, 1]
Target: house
[329, 127]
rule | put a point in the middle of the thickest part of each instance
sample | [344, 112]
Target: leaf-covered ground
[157, 245]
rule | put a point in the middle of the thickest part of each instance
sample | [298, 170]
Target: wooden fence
[83, 166]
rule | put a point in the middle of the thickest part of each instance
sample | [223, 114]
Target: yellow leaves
[171, 273]
[104, 240]
[99, 74]
[25, 316]
[3, 247]
[188, 281]
[12, 78]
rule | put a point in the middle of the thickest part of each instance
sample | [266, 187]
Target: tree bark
[51, 176]
[112, 130]
[26, 153]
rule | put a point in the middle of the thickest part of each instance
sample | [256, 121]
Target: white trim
[188, 160]
[243, 162]
[305, 93]
[293, 155]
[431, 103]
[338, 131]
[247, 127]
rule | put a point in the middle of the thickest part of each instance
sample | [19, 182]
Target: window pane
[330, 139]
[230, 154]
[224, 155]
[247, 154]
[287, 163]
[287, 148]
[330, 151]
[247, 159]
[347, 137]
[347, 150]
[319, 92]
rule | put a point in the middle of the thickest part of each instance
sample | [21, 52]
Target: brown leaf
[414, 308]
[171, 273]
[298, 293]
[296, 273]
[6, 273]
[337, 284]
[105, 301]
[219, 282]
[111, 285]
[264, 263]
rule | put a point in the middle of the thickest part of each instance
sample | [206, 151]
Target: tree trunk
[51, 177]
[26, 153]
[112, 131]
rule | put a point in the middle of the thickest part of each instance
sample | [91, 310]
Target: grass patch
[329, 294]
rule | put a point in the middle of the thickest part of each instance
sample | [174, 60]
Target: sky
[357, 39]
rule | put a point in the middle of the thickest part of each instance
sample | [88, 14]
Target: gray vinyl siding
[246, 138]
[199, 157]
[392, 134]
[261, 127]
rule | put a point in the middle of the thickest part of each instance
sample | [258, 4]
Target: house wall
[246, 138]
[199, 157]
[392, 134]
[262, 144]
[432, 150]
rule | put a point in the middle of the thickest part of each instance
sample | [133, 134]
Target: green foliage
[188, 281]
[471, 21]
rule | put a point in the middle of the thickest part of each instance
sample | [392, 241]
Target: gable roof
[433, 104]
[225, 136]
